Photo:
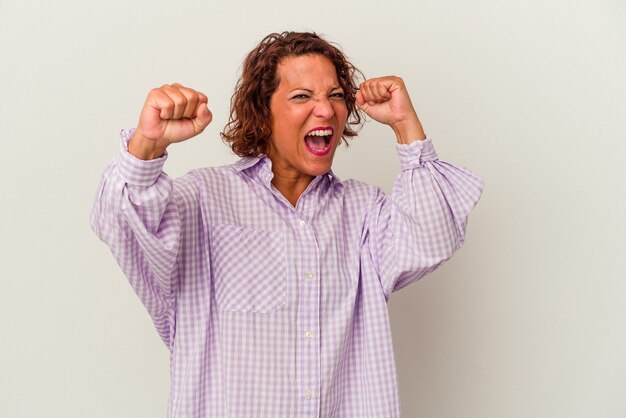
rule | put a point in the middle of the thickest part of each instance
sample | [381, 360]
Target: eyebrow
[311, 91]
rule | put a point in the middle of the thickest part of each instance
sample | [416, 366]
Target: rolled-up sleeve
[422, 222]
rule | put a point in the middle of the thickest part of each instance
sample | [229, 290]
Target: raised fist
[171, 113]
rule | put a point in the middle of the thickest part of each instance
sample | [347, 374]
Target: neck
[289, 185]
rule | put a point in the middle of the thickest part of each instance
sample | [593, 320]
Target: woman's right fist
[172, 113]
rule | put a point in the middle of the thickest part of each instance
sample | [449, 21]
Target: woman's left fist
[386, 100]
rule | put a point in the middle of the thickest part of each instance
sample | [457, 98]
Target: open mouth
[318, 140]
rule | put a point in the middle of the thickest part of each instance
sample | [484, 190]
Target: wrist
[409, 130]
[146, 149]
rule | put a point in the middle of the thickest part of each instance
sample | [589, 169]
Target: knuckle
[180, 101]
[185, 90]
[192, 96]
[168, 105]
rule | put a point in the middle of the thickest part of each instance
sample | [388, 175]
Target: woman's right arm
[139, 211]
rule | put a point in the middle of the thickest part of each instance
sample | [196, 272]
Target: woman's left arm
[422, 223]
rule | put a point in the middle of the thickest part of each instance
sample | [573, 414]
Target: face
[308, 114]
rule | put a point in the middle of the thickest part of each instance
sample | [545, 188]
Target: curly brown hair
[248, 129]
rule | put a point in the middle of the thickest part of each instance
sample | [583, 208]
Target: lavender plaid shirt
[270, 310]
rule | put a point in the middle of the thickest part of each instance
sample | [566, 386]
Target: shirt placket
[308, 326]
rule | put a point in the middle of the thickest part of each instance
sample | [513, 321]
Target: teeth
[321, 132]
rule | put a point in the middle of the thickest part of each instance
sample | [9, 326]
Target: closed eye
[335, 96]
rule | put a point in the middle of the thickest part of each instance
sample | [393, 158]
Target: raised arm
[142, 214]
[422, 223]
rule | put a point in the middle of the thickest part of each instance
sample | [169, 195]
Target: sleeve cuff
[134, 171]
[414, 154]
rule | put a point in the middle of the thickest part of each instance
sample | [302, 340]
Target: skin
[308, 96]
[171, 114]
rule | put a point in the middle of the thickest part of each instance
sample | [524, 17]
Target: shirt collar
[261, 167]
[247, 162]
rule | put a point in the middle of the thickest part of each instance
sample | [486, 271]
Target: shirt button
[302, 224]
[309, 394]
[309, 276]
[309, 335]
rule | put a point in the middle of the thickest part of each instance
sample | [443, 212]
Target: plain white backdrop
[528, 319]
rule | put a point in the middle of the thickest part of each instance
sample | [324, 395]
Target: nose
[323, 108]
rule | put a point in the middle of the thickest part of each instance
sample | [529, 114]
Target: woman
[268, 279]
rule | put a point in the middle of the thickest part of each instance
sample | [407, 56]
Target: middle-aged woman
[268, 279]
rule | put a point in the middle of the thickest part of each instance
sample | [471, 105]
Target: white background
[529, 318]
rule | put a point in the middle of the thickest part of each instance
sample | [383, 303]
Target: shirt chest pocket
[248, 269]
